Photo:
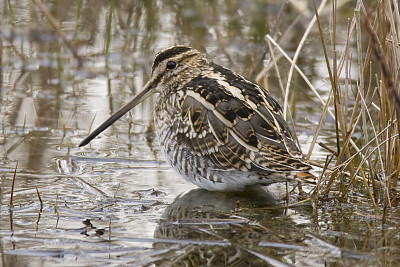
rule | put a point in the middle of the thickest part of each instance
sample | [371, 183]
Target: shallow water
[116, 201]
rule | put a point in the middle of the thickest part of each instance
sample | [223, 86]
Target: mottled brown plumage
[217, 129]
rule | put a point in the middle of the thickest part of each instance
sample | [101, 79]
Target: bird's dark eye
[171, 65]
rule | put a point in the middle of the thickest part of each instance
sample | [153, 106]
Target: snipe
[217, 129]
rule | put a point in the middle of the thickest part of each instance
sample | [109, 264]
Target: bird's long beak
[145, 93]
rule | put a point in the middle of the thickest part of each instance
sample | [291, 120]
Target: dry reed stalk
[13, 184]
[56, 24]
[377, 120]
[278, 75]
[56, 210]
[40, 199]
[297, 53]
[366, 105]
[267, 48]
[384, 42]
[1, 65]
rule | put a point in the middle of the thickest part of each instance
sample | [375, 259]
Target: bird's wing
[236, 124]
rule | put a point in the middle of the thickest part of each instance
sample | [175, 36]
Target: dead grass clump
[363, 99]
[369, 162]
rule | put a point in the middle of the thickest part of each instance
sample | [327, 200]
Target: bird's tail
[305, 177]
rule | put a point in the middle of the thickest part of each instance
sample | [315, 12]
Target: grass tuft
[363, 66]
[366, 158]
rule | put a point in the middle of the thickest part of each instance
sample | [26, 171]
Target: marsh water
[116, 201]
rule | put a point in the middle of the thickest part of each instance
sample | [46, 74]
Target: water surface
[116, 201]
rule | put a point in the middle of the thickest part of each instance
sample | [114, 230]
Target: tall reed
[368, 162]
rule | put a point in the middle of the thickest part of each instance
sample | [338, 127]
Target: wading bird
[217, 129]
